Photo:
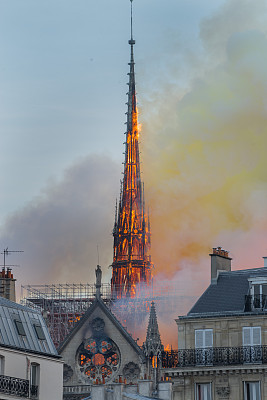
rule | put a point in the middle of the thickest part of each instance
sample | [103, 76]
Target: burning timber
[64, 304]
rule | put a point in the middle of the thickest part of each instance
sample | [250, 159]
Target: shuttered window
[203, 338]
[252, 336]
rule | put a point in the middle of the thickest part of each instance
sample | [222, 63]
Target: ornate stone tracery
[131, 371]
[98, 356]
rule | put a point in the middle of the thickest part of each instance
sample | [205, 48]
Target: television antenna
[6, 253]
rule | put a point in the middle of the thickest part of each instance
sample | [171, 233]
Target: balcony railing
[255, 302]
[215, 356]
[34, 392]
[78, 389]
[14, 386]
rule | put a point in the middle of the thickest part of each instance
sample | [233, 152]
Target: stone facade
[99, 349]
[227, 330]
[222, 341]
[226, 382]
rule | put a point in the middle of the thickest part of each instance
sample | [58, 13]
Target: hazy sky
[63, 80]
[201, 82]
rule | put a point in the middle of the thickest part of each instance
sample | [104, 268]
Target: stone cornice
[209, 371]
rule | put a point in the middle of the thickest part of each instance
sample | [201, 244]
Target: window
[203, 391]
[203, 345]
[252, 350]
[252, 336]
[39, 332]
[203, 338]
[34, 379]
[20, 327]
[252, 391]
[2, 365]
[259, 293]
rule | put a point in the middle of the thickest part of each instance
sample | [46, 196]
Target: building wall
[227, 331]
[17, 365]
[225, 383]
[69, 354]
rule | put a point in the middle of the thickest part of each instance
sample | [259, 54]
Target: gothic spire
[131, 261]
[152, 345]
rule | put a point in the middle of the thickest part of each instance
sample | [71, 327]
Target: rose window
[98, 358]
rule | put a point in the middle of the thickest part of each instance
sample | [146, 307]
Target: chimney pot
[220, 261]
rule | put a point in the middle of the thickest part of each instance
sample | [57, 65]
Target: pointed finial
[131, 19]
[131, 41]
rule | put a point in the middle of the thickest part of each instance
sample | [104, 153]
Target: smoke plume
[205, 148]
[60, 230]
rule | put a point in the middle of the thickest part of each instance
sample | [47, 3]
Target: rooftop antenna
[6, 252]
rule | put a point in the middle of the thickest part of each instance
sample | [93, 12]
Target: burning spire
[131, 260]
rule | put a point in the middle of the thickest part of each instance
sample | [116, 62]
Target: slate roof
[99, 303]
[227, 295]
[24, 329]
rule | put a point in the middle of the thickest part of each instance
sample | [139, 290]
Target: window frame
[197, 384]
[204, 331]
[251, 328]
[245, 392]
[19, 327]
[37, 374]
[2, 364]
[39, 331]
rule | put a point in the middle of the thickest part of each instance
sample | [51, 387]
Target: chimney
[220, 261]
[7, 285]
[265, 262]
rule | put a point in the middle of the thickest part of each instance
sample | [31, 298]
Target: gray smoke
[60, 230]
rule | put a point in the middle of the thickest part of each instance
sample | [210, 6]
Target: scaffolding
[62, 305]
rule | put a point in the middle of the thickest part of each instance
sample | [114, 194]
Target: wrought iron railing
[34, 392]
[214, 356]
[14, 386]
[255, 302]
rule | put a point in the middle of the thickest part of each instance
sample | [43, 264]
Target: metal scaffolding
[62, 305]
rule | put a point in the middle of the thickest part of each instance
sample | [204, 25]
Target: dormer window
[258, 293]
[20, 327]
[39, 332]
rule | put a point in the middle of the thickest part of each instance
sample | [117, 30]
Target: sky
[201, 88]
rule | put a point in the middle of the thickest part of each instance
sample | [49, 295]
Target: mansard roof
[227, 295]
[98, 303]
[24, 329]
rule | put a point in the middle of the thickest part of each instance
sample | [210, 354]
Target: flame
[131, 262]
[154, 361]
[167, 348]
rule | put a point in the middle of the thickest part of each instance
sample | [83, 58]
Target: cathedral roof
[98, 303]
